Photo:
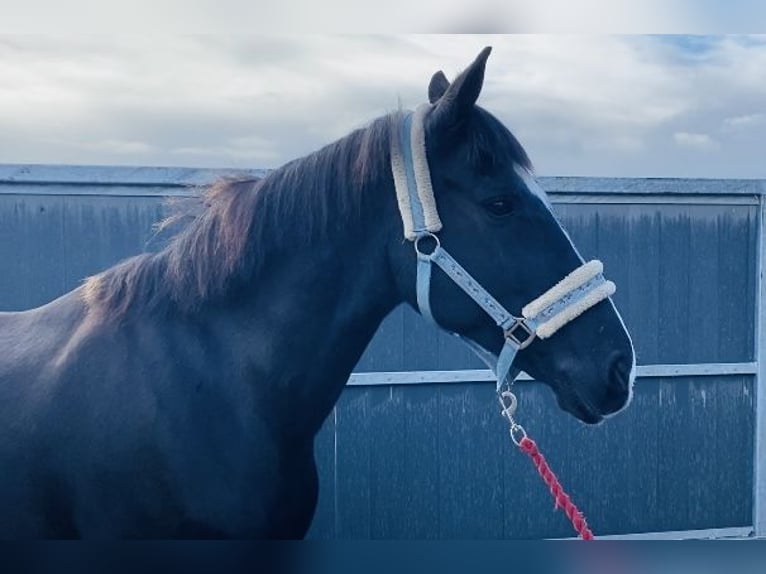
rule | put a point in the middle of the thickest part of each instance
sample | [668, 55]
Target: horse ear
[461, 95]
[438, 85]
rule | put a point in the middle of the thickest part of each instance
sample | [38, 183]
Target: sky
[592, 105]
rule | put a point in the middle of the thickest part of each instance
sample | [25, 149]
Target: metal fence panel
[434, 460]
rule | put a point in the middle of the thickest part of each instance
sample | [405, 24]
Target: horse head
[496, 221]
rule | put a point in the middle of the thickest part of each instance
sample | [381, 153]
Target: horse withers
[177, 394]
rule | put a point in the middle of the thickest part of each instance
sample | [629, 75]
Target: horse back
[30, 342]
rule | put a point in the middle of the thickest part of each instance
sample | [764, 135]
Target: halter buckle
[510, 333]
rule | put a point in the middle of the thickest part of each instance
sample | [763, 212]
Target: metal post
[759, 442]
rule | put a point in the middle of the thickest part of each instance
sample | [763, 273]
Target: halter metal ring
[518, 434]
[427, 235]
[520, 323]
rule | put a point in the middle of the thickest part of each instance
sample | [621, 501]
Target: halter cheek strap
[412, 178]
[569, 298]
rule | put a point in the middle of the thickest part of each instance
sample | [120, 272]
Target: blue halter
[519, 332]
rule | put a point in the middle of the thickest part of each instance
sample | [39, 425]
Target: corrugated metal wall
[434, 460]
[49, 243]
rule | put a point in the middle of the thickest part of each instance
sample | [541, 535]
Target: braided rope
[562, 498]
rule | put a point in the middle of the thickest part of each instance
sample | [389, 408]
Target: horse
[178, 393]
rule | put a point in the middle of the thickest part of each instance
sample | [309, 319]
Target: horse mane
[235, 226]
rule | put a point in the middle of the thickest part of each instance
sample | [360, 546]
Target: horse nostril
[618, 384]
[619, 371]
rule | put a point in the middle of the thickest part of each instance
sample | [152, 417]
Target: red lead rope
[519, 437]
[562, 498]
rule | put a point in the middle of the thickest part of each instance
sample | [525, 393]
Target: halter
[569, 298]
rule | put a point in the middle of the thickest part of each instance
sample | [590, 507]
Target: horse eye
[499, 206]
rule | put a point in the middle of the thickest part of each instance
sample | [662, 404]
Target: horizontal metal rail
[485, 375]
[608, 188]
[651, 199]
[121, 176]
[730, 533]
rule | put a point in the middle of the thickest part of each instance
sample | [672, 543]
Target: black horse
[178, 393]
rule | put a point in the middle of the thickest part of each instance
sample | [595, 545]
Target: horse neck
[311, 315]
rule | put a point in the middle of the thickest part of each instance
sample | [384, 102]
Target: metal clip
[509, 408]
[509, 403]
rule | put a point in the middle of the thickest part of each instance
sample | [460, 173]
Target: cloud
[247, 148]
[696, 141]
[582, 105]
[305, 16]
[119, 147]
[744, 122]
